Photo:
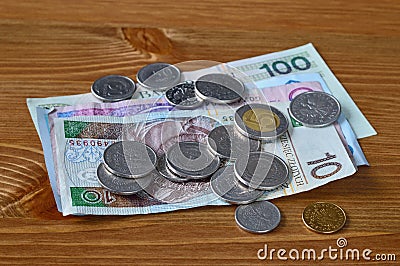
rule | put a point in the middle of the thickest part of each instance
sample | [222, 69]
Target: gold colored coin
[261, 120]
[324, 217]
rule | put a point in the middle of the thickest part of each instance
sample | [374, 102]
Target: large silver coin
[191, 160]
[183, 96]
[113, 88]
[129, 159]
[261, 170]
[260, 121]
[165, 172]
[315, 109]
[227, 143]
[225, 185]
[121, 185]
[158, 76]
[258, 217]
[219, 88]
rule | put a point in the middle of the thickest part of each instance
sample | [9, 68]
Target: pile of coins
[232, 159]
[125, 170]
[188, 161]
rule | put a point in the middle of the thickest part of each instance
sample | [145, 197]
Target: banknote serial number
[86, 142]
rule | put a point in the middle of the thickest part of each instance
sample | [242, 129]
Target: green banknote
[304, 59]
[314, 156]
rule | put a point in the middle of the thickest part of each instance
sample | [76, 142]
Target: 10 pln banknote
[314, 156]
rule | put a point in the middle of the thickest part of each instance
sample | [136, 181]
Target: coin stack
[188, 161]
[125, 170]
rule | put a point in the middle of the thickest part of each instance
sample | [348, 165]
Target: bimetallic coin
[227, 143]
[260, 121]
[191, 160]
[219, 88]
[165, 172]
[258, 217]
[129, 159]
[324, 217]
[225, 185]
[121, 185]
[261, 170]
[113, 88]
[183, 96]
[158, 76]
[315, 109]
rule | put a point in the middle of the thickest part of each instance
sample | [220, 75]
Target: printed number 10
[283, 68]
[324, 164]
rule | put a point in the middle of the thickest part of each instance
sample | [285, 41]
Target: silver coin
[113, 88]
[227, 143]
[258, 217]
[191, 160]
[260, 121]
[227, 187]
[121, 185]
[183, 96]
[315, 109]
[185, 176]
[261, 170]
[219, 88]
[158, 76]
[165, 172]
[129, 159]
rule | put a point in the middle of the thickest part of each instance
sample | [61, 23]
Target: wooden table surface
[51, 48]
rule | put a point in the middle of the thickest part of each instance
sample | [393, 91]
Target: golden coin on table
[324, 217]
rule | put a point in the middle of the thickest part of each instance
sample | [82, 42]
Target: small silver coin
[261, 170]
[183, 96]
[165, 172]
[227, 187]
[260, 121]
[227, 143]
[113, 88]
[258, 217]
[129, 159]
[158, 76]
[121, 185]
[219, 88]
[315, 109]
[191, 160]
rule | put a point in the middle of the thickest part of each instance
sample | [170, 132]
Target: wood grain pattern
[50, 48]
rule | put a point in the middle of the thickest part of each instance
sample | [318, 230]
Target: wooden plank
[333, 16]
[50, 48]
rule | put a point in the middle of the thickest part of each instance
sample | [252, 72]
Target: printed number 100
[281, 67]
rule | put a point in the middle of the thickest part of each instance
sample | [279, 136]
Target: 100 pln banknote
[302, 59]
[315, 157]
